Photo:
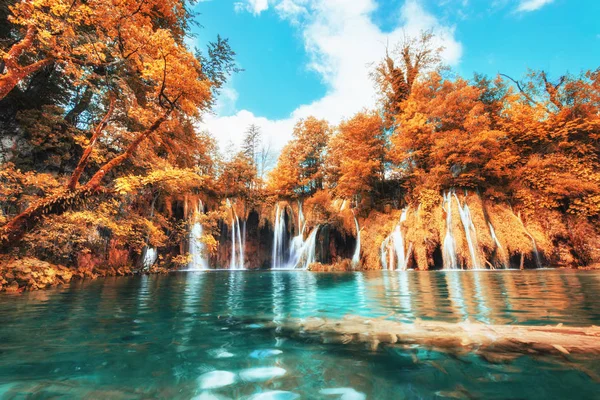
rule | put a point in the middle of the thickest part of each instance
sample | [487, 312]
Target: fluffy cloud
[230, 130]
[342, 42]
[532, 5]
[253, 6]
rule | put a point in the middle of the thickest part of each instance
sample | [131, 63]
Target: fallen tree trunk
[494, 342]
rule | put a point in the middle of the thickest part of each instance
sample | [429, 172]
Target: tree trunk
[88, 151]
[12, 233]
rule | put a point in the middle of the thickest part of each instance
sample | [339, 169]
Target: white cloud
[532, 5]
[254, 6]
[226, 102]
[276, 133]
[342, 42]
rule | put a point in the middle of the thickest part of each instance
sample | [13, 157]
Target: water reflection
[155, 336]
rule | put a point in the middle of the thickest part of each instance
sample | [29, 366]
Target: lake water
[201, 335]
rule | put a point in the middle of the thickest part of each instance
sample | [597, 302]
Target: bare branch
[518, 84]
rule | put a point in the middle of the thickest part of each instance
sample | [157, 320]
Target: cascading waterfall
[498, 245]
[356, 256]
[150, 253]
[449, 254]
[197, 249]
[470, 232]
[237, 244]
[302, 252]
[301, 220]
[309, 250]
[150, 257]
[382, 252]
[394, 244]
[536, 253]
[278, 238]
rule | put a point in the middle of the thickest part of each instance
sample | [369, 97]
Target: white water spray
[150, 257]
[536, 253]
[237, 244]
[395, 247]
[356, 257]
[470, 232]
[278, 238]
[382, 252]
[449, 253]
[196, 248]
[302, 252]
[498, 245]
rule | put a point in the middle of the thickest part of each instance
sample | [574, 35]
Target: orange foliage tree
[300, 169]
[445, 138]
[401, 68]
[133, 57]
[89, 37]
[356, 154]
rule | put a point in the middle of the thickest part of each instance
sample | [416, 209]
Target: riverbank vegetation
[102, 159]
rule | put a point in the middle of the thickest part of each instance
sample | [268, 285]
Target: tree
[300, 168]
[150, 85]
[251, 143]
[445, 139]
[555, 127]
[238, 177]
[266, 160]
[400, 69]
[355, 155]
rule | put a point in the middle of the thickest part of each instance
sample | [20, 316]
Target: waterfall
[536, 253]
[196, 248]
[278, 238]
[302, 252]
[449, 254]
[308, 254]
[150, 257]
[237, 244]
[356, 257]
[382, 252]
[470, 232]
[232, 261]
[498, 245]
[301, 220]
[395, 247]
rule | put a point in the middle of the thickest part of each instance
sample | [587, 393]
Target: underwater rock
[220, 353]
[261, 374]
[260, 354]
[209, 396]
[216, 379]
[344, 393]
[275, 395]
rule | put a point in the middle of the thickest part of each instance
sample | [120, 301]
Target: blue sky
[312, 57]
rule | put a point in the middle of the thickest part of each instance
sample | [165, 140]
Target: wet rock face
[333, 246]
[258, 244]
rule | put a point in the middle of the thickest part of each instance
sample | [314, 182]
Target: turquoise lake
[200, 335]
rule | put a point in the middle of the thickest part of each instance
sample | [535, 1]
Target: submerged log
[493, 342]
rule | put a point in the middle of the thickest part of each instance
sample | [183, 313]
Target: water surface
[201, 335]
